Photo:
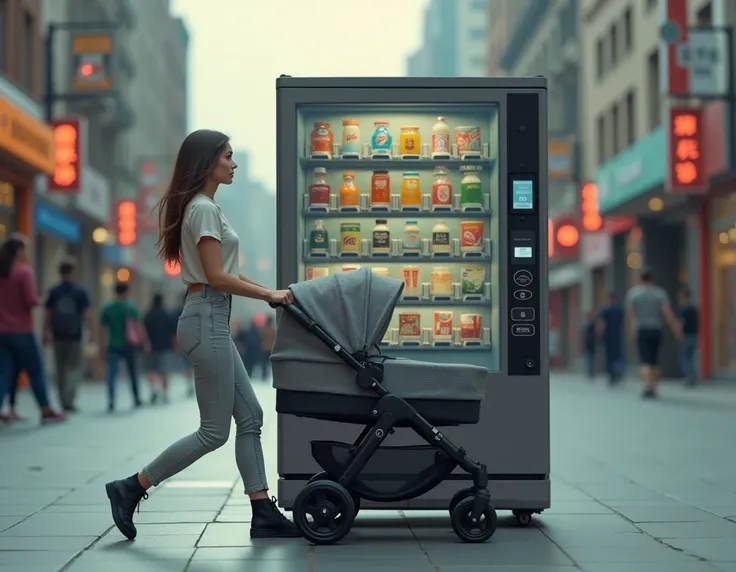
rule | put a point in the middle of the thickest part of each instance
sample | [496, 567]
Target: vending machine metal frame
[513, 436]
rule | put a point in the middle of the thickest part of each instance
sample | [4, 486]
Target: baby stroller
[345, 379]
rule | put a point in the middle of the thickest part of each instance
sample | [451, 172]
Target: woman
[195, 234]
[18, 348]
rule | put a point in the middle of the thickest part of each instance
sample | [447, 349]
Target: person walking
[19, 349]
[689, 344]
[647, 310]
[195, 234]
[268, 335]
[611, 332]
[125, 337]
[160, 331]
[590, 343]
[67, 311]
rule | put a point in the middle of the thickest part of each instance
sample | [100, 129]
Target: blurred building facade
[453, 40]
[544, 40]
[139, 126]
[501, 18]
[251, 209]
[26, 142]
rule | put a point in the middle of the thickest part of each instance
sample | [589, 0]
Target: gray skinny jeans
[223, 392]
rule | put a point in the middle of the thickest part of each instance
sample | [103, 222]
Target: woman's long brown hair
[197, 157]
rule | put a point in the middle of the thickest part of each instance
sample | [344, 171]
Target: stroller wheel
[323, 476]
[460, 495]
[324, 512]
[470, 531]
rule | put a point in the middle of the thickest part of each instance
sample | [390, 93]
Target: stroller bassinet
[337, 373]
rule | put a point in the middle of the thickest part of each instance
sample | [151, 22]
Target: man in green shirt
[123, 331]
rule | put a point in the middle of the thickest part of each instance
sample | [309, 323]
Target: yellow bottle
[349, 192]
[411, 190]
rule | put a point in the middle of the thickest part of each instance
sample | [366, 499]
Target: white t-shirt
[204, 217]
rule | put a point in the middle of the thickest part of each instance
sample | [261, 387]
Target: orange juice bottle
[411, 190]
[349, 192]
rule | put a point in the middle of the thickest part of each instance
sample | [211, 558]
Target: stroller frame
[389, 412]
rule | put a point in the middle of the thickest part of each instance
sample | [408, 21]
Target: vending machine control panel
[523, 224]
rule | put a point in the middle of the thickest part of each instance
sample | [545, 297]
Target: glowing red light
[86, 70]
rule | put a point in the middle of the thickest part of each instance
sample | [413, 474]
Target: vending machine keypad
[523, 216]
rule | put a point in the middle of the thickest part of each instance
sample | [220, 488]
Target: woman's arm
[244, 278]
[211, 259]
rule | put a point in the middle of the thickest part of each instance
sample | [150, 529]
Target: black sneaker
[649, 394]
[269, 522]
[125, 496]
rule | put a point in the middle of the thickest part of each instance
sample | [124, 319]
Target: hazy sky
[239, 47]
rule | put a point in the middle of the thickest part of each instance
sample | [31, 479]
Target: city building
[453, 40]
[682, 231]
[26, 141]
[544, 41]
[502, 16]
[130, 136]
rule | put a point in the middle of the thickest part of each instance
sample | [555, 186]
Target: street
[637, 486]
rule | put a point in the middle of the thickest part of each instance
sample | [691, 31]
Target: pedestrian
[253, 352]
[195, 234]
[590, 343]
[67, 311]
[160, 331]
[268, 335]
[19, 349]
[611, 332]
[689, 343]
[120, 320]
[647, 310]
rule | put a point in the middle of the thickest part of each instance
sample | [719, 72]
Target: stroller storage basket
[391, 474]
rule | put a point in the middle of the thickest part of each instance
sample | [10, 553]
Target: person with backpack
[125, 336]
[67, 312]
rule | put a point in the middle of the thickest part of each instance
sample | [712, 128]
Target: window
[600, 58]
[628, 30]
[630, 111]
[615, 131]
[614, 44]
[26, 53]
[652, 4]
[601, 128]
[655, 110]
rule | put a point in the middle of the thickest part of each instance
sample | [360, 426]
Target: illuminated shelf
[442, 304]
[397, 259]
[399, 349]
[396, 164]
[397, 214]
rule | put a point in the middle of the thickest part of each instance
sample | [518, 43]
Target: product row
[411, 196]
[467, 141]
[471, 240]
[445, 329]
[466, 283]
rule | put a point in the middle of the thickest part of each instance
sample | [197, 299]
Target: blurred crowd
[142, 341]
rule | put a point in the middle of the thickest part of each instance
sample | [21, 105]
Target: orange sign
[127, 224]
[591, 218]
[568, 235]
[687, 171]
[564, 238]
[560, 159]
[67, 156]
[26, 138]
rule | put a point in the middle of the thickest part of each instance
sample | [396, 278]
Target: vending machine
[442, 183]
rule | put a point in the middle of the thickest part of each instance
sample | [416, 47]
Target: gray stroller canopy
[354, 308]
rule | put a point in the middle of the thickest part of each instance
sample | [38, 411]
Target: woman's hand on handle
[280, 297]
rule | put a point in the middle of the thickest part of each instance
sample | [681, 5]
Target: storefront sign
[7, 197]
[632, 172]
[564, 238]
[94, 198]
[92, 61]
[56, 223]
[26, 138]
[597, 249]
[127, 223]
[560, 159]
[589, 208]
[684, 148]
[69, 155]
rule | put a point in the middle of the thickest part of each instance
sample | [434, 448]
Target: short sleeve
[204, 220]
[665, 298]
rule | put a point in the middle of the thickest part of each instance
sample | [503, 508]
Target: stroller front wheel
[466, 529]
[324, 476]
[324, 512]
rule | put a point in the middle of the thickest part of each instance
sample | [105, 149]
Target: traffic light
[127, 223]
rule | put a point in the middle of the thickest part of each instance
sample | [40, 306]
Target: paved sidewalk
[637, 486]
